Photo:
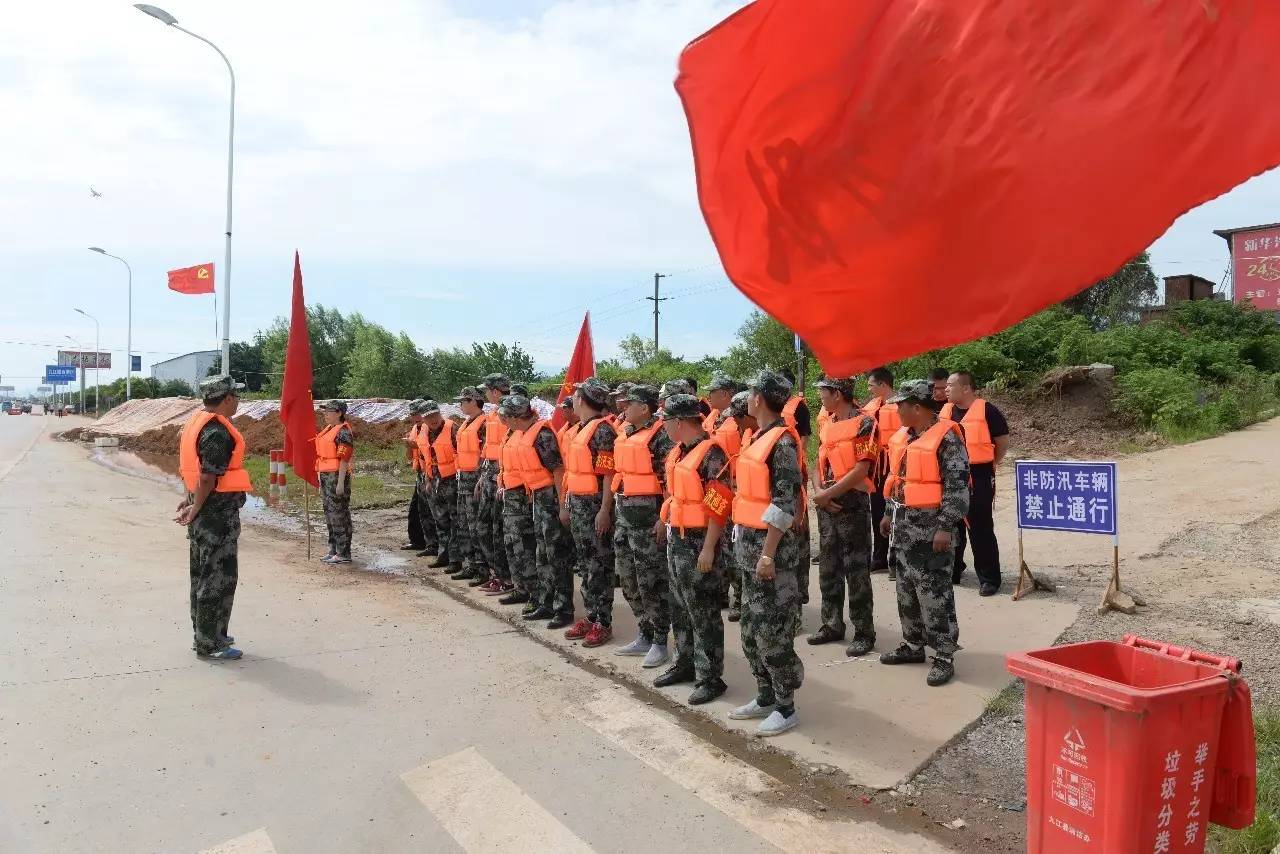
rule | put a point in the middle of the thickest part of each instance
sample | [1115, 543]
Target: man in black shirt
[987, 438]
[938, 385]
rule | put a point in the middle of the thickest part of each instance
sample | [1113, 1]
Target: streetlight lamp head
[98, 249]
[156, 12]
[81, 311]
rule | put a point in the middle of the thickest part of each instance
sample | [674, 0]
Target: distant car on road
[26, 409]
[15, 409]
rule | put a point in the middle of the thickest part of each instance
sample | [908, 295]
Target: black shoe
[539, 613]
[825, 634]
[478, 579]
[460, 573]
[861, 646]
[559, 621]
[957, 573]
[427, 553]
[879, 567]
[734, 615]
[988, 589]
[707, 693]
[515, 597]
[411, 547]
[941, 672]
[674, 675]
[904, 654]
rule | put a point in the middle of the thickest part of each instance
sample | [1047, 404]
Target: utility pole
[800, 365]
[657, 279]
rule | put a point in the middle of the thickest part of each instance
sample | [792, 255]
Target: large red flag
[297, 410]
[888, 177]
[192, 280]
[581, 366]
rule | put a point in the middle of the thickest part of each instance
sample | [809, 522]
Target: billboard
[44, 388]
[1255, 266]
[60, 373]
[84, 358]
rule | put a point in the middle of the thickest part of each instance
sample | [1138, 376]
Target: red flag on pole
[297, 410]
[192, 280]
[887, 178]
[581, 366]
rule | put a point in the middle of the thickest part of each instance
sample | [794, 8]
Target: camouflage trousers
[555, 570]
[926, 600]
[521, 542]
[488, 530]
[214, 536]
[337, 512]
[733, 575]
[642, 569]
[844, 554]
[595, 558]
[770, 615]
[440, 498]
[695, 606]
[466, 523]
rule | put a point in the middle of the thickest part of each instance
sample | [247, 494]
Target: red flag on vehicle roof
[297, 410]
[581, 366]
[886, 178]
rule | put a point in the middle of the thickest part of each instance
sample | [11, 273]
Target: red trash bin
[1134, 747]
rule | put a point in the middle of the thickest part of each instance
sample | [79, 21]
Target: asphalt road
[367, 715]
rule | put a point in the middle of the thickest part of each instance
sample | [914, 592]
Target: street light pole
[128, 376]
[165, 18]
[79, 349]
[97, 339]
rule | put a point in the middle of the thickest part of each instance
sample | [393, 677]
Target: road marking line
[738, 790]
[255, 842]
[485, 811]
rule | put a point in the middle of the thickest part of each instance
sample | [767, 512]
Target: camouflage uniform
[639, 560]
[695, 597]
[555, 570]
[926, 601]
[595, 551]
[337, 508]
[733, 582]
[442, 500]
[521, 543]
[771, 608]
[490, 513]
[844, 545]
[467, 519]
[214, 536]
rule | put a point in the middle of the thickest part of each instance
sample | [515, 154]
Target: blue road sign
[60, 373]
[1066, 496]
[135, 363]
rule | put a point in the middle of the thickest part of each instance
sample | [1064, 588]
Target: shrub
[1151, 391]
[1227, 411]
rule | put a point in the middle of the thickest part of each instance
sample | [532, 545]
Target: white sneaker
[750, 712]
[639, 646]
[656, 656]
[776, 724]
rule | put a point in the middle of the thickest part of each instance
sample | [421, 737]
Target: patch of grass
[367, 490]
[1263, 836]
[258, 468]
[370, 451]
[1007, 703]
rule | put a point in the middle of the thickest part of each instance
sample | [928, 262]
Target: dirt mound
[1070, 418]
[260, 436]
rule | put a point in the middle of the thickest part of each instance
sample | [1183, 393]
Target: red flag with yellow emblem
[192, 280]
[581, 366]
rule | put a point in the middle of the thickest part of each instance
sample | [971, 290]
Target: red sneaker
[598, 635]
[499, 588]
[491, 587]
[579, 630]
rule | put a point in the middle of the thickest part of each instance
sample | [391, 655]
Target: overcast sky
[462, 171]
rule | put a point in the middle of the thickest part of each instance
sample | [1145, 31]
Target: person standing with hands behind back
[335, 446]
[211, 462]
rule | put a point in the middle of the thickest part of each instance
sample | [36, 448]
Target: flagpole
[306, 492]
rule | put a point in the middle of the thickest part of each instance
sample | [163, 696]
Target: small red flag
[192, 280]
[297, 410]
[581, 366]
[886, 178]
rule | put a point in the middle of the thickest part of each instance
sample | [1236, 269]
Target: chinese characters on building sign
[1067, 496]
[1255, 267]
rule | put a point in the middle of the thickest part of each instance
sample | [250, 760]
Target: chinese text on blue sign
[1067, 496]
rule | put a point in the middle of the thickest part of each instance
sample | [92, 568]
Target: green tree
[1116, 299]
[765, 343]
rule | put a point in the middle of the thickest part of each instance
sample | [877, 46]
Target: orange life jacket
[823, 417]
[415, 456]
[838, 452]
[636, 475]
[495, 433]
[532, 472]
[581, 477]
[887, 420]
[709, 423]
[469, 444]
[755, 488]
[564, 434]
[789, 411]
[922, 480]
[977, 433]
[684, 508]
[512, 476]
[439, 454]
[236, 479]
[327, 447]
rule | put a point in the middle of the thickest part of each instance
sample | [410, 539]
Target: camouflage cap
[219, 386]
[770, 383]
[336, 406]
[682, 406]
[498, 382]
[414, 404]
[916, 390]
[515, 406]
[646, 394]
[674, 387]
[844, 385]
[721, 382]
[622, 389]
[520, 389]
[738, 406]
[593, 389]
[428, 407]
[469, 392]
